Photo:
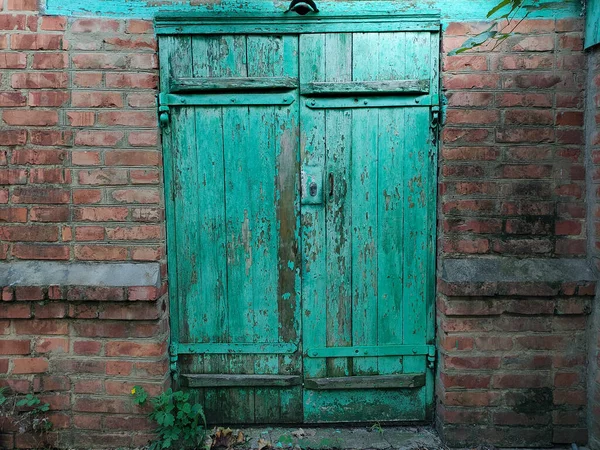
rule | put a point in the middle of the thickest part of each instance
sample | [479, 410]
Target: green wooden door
[300, 168]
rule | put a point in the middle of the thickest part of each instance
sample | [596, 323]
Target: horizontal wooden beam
[233, 84]
[225, 99]
[366, 87]
[237, 348]
[382, 101]
[409, 380]
[210, 380]
[370, 350]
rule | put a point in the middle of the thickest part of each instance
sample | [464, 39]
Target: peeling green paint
[592, 23]
[451, 10]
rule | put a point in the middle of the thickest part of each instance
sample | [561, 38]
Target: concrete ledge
[489, 270]
[45, 273]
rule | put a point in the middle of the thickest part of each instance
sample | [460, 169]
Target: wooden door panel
[366, 248]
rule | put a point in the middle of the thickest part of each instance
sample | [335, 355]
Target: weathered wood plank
[364, 179]
[367, 382]
[314, 275]
[338, 204]
[241, 381]
[366, 87]
[232, 84]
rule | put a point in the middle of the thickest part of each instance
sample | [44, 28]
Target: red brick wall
[593, 139]
[80, 180]
[512, 370]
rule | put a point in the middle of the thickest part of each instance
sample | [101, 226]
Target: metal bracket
[164, 112]
[431, 355]
[435, 125]
[173, 357]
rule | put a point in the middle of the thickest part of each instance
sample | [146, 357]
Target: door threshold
[371, 436]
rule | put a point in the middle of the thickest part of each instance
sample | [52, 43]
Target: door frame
[334, 17]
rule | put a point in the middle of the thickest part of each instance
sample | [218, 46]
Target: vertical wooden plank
[416, 150]
[314, 275]
[392, 129]
[431, 223]
[338, 206]
[365, 129]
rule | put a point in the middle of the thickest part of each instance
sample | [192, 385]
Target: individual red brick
[15, 311]
[127, 118]
[471, 81]
[102, 61]
[101, 214]
[22, 5]
[49, 61]
[103, 177]
[88, 387]
[525, 135]
[53, 23]
[464, 136]
[143, 138]
[473, 362]
[528, 117]
[465, 63]
[30, 118]
[122, 368]
[49, 176]
[100, 253]
[41, 327]
[52, 345]
[136, 196]
[87, 347]
[131, 80]
[526, 62]
[13, 176]
[86, 196]
[95, 26]
[13, 60]
[51, 311]
[12, 99]
[146, 254]
[543, 43]
[472, 246]
[29, 365]
[144, 176]
[29, 293]
[568, 227]
[39, 80]
[572, 42]
[141, 100]
[88, 79]
[134, 349]
[523, 99]
[456, 116]
[570, 247]
[81, 118]
[474, 399]
[13, 215]
[50, 138]
[29, 233]
[36, 41]
[527, 171]
[37, 251]
[85, 99]
[85, 158]
[98, 138]
[12, 22]
[132, 158]
[48, 98]
[45, 195]
[15, 347]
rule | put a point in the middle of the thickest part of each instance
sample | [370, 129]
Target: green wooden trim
[370, 350]
[240, 381]
[592, 23]
[407, 380]
[175, 23]
[237, 348]
[226, 99]
[365, 87]
[451, 10]
[372, 102]
[232, 84]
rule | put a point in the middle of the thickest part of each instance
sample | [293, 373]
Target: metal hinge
[164, 113]
[173, 357]
[435, 125]
[431, 356]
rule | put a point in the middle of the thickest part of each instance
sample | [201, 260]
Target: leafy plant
[512, 9]
[179, 423]
[26, 412]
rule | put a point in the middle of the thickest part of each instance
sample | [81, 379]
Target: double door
[300, 179]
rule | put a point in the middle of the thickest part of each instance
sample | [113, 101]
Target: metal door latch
[312, 185]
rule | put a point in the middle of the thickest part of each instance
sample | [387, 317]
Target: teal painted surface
[262, 277]
[451, 10]
[592, 23]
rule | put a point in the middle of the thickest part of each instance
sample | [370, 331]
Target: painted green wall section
[451, 10]
[592, 23]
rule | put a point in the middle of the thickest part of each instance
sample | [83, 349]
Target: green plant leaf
[498, 7]
[475, 41]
